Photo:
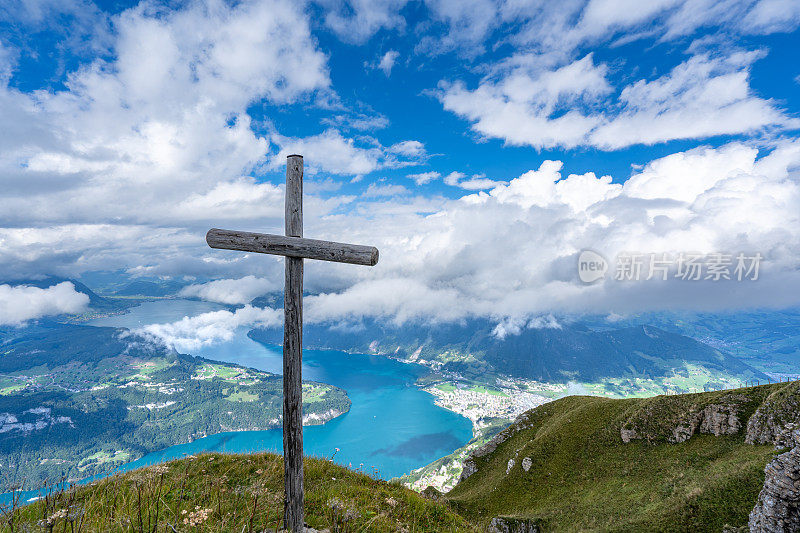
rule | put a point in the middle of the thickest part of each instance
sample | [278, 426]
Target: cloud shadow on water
[421, 445]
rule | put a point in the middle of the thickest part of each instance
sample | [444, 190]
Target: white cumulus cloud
[422, 178]
[387, 61]
[529, 104]
[231, 291]
[511, 251]
[21, 303]
[331, 152]
[192, 333]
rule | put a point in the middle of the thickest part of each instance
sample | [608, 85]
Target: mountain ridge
[561, 354]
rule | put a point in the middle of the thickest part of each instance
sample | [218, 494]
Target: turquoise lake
[391, 428]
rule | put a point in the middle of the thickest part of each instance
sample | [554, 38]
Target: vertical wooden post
[293, 355]
[295, 248]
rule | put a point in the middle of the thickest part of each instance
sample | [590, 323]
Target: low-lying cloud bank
[231, 291]
[511, 252]
[192, 333]
[20, 303]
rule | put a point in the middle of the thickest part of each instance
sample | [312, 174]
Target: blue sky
[130, 128]
[61, 43]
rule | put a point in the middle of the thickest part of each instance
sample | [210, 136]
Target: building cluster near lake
[480, 403]
[489, 409]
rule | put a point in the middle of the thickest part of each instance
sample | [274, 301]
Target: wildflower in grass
[61, 513]
[342, 510]
[197, 517]
[259, 489]
[140, 477]
[335, 504]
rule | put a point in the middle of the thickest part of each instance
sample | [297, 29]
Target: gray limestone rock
[778, 505]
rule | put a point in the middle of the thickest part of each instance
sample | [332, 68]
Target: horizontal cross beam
[264, 243]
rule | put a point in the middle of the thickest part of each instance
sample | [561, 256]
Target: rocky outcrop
[470, 466]
[772, 421]
[775, 421]
[778, 505]
[507, 524]
[628, 434]
[467, 468]
[720, 420]
[714, 419]
[678, 425]
[432, 493]
[774, 415]
[509, 466]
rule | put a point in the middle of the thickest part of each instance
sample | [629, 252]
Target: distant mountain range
[570, 352]
[549, 354]
[141, 287]
[768, 339]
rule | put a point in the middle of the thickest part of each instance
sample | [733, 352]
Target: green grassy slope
[215, 492]
[583, 477]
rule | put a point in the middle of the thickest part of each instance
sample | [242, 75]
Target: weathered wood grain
[294, 196]
[298, 247]
[293, 356]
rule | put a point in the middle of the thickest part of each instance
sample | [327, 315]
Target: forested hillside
[78, 400]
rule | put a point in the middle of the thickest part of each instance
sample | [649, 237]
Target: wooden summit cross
[295, 248]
